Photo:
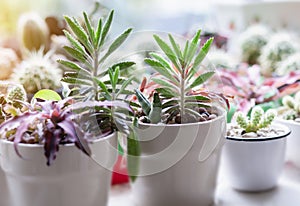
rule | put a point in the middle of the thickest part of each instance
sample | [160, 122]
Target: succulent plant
[221, 59]
[178, 82]
[33, 32]
[11, 96]
[8, 61]
[252, 41]
[258, 119]
[279, 47]
[37, 72]
[291, 107]
[93, 79]
[290, 64]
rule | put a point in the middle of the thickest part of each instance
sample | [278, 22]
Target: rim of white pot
[221, 111]
[35, 145]
[293, 122]
[262, 139]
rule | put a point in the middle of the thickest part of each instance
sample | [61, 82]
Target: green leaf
[76, 44]
[133, 153]
[73, 66]
[90, 29]
[167, 50]
[47, 94]
[77, 75]
[98, 32]
[116, 44]
[165, 83]
[106, 27]
[144, 102]
[124, 85]
[201, 79]
[185, 52]
[79, 32]
[201, 55]
[163, 62]
[116, 77]
[157, 66]
[75, 81]
[197, 98]
[193, 47]
[170, 103]
[75, 54]
[176, 47]
[166, 92]
[101, 85]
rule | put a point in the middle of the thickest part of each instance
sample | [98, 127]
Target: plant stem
[182, 95]
[95, 58]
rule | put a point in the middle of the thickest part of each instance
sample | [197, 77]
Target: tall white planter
[293, 141]
[179, 163]
[255, 164]
[74, 179]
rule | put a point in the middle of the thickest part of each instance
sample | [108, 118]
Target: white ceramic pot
[74, 179]
[255, 164]
[179, 163]
[293, 141]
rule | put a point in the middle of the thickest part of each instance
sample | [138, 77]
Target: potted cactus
[289, 115]
[255, 150]
[87, 119]
[179, 130]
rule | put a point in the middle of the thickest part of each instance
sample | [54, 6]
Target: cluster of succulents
[279, 47]
[258, 119]
[252, 41]
[291, 107]
[11, 96]
[38, 71]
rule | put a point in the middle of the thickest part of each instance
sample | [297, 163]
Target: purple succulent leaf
[51, 145]
[20, 122]
[75, 135]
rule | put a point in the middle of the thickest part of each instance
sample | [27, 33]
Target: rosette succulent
[290, 64]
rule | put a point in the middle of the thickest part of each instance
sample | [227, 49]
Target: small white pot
[179, 163]
[73, 179]
[255, 164]
[293, 141]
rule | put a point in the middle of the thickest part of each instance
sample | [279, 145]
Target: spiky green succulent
[252, 41]
[291, 107]
[258, 119]
[38, 72]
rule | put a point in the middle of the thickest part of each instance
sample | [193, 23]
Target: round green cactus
[38, 72]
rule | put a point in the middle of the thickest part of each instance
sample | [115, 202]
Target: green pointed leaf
[47, 94]
[197, 98]
[116, 44]
[201, 55]
[193, 47]
[167, 50]
[124, 85]
[78, 75]
[166, 92]
[75, 81]
[76, 44]
[176, 47]
[98, 32]
[185, 52]
[162, 61]
[165, 83]
[75, 54]
[73, 66]
[157, 66]
[90, 29]
[201, 79]
[133, 153]
[144, 102]
[106, 27]
[79, 32]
